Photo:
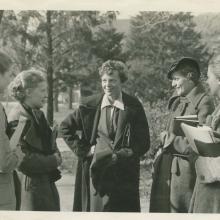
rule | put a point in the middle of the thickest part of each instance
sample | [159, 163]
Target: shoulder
[131, 101]
[203, 99]
[16, 112]
[91, 101]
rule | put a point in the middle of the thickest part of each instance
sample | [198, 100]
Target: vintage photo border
[127, 8]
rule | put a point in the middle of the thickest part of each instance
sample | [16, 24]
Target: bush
[157, 116]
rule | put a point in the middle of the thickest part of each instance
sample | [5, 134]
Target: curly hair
[110, 66]
[25, 80]
[5, 62]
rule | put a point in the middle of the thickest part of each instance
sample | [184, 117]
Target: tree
[49, 68]
[207, 24]
[158, 39]
[1, 15]
[107, 44]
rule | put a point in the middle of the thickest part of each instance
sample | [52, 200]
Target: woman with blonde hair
[38, 169]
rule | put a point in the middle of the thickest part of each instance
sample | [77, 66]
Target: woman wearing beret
[38, 169]
[174, 174]
[206, 196]
[10, 156]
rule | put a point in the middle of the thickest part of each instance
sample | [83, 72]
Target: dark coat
[86, 119]
[38, 169]
[174, 175]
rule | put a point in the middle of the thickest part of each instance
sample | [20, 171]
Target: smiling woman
[38, 169]
[174, 176]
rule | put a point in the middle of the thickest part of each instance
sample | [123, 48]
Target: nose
[173, 83]
[107, 83]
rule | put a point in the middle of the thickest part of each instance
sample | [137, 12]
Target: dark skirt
[39, 194]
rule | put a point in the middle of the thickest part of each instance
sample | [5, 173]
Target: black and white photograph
[110, 109]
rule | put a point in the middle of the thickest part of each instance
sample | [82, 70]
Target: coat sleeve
[205, 108]
[68, 129]
[140, 133]
[34, 163]
[10, 156]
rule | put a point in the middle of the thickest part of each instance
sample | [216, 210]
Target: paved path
[66, 186]
[66, 191]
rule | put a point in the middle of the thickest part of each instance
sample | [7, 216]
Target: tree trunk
[1, 15]
[70, 91]
[49, 69]
[56, 94]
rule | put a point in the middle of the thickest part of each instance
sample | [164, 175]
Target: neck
[27, 103]
[113, 98]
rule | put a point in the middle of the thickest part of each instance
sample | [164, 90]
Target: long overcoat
[9, 160]
[206, 196]
[38, 169]
[174, 175]
[84, 121]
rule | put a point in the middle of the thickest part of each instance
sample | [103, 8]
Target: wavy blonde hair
[28, 79]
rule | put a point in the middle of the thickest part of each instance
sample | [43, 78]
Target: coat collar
[194, 97]
[124, 117]
[16, 112]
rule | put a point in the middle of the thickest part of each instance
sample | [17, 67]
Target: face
[111, 85]
[36, 97]
[213, 82]
[182, 84]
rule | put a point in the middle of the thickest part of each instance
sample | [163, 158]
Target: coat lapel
[95, 125]
[122, 122]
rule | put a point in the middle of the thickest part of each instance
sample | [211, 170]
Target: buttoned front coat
[174, 176]
[85, 119]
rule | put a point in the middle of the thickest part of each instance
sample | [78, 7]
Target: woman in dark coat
[38, 169]
[206, 195]
[113, 142]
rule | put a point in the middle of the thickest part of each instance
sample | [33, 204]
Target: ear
[27, 92]
[190, 75]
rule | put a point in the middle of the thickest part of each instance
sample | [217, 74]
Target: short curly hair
[25, 80]
[110, 66]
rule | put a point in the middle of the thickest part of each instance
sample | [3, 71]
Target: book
[191, 120]
[208, 169]
[202, 139]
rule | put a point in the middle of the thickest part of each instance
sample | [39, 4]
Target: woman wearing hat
[174, 176]
[206, 195]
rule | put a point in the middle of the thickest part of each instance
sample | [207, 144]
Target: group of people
[109, 134]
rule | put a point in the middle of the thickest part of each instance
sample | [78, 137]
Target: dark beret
[184, 62]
